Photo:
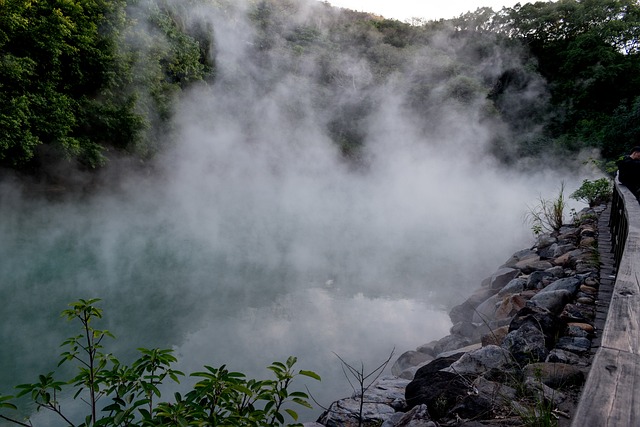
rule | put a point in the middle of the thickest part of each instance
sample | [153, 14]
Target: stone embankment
[517, 354]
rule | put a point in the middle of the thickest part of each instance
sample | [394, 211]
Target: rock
[530, 265]
[476, 407]
[563, 249]
[486, 311]
[588, 242]
[439, 391]
[502, 276]
[554, 301]
[558, 355]
[418, 416]
[540, 318]
[555, 375]
[428, 348]
[592, 281]
[469, 330]
[539, 279]
[495, 336]
[545, 240]
[464, 312]
[519, 256]
[481, 360]
[556, 271]
[509, 306]
[345, 413]
[409, 359]
[492, 388]
[460, 350]
[450, 342]
[513, 287]
[526, 344]
[589, 329]
[576, 331]
[578, 345]
[543, 393]
[381, 400]
[573, 313]
[570, 284]
[589, 290]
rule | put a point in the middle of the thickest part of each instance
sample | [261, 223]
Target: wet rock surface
[520, 344]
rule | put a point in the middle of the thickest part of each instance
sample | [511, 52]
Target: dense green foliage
[82, 80]
[594, 192]
[121, 395]
[68, 88]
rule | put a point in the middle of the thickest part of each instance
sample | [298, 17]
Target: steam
[256, 239]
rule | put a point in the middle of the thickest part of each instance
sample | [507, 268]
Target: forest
[85, 83]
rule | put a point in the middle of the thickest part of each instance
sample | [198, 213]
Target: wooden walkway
[611, 394]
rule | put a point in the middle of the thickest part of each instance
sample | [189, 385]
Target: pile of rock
[518, 349]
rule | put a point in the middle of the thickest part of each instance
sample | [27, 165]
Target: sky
[428, 9]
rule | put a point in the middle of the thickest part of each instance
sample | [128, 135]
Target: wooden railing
[611, 394]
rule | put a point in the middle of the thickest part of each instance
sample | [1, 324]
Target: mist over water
[255, 239]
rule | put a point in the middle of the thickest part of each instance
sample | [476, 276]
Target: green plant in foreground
[120, 395]
[594, 192]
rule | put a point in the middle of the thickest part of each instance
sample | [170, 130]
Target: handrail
[611, 394]
[618, 223]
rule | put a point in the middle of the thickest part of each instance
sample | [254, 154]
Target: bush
[130, 393]
[594, 192]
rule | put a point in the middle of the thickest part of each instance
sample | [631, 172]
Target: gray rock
[554, 301]
[409, 359]
[469, 330]
[558, 355]
[545, 240]
[526, 344]
[485, 312]
[519, 256]
[543, 393]
[578, 345]
[529, 265]
[556, 271]
[418, 416]
[382, 400]
[481, 360]
[502, 276]
[513, 287]
[345, 413]
[571, 284]
[451, 342]
[563, 249]
[538, 279]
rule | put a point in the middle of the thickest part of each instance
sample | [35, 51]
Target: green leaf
[292, 413]
[310, 374]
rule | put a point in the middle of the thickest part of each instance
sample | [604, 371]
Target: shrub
[131, 393]
[594, 192]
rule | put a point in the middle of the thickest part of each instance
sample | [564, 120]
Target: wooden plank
[622, 328]
[611, 395]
